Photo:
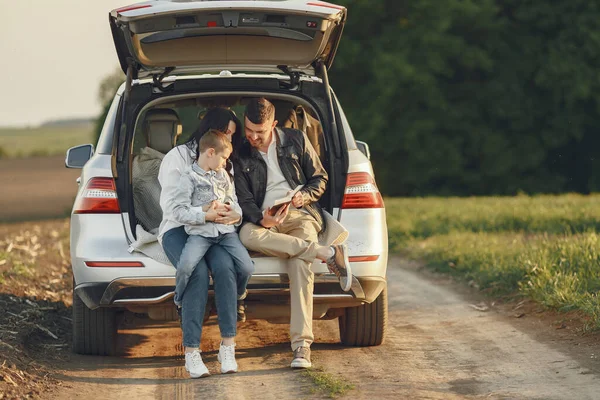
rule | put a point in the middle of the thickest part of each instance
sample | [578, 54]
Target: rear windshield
[105, 142]
[191, 111]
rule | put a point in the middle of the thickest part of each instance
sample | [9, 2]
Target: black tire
[94, 331]
[365, 325]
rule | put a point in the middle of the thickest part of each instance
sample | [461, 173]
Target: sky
[53, 55]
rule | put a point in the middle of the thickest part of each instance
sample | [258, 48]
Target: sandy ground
[438, 346]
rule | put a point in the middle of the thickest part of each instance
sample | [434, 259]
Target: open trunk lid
[210, 35]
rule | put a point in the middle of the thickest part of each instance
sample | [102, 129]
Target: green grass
[326, 383]
[43, 141]
[544, 247]
[17, 266]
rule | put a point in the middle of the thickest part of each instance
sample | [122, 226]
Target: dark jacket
[299, 164]
[299, 119]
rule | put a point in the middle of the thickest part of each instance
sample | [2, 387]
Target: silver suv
[181, 58]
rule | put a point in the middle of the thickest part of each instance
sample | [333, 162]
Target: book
[277, 204]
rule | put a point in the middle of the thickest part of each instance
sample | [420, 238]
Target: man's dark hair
[260, 110]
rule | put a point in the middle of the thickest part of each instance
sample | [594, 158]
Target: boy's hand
[269, 221]
[208, 206]
[211, 214]
[229, 216]
[221, 207]
[218, 206]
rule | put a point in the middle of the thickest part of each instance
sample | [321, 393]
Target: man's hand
[269, 221]
[298, 200]
[227, 215]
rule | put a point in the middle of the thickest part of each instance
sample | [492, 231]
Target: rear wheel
[365, 325]
[94, 331]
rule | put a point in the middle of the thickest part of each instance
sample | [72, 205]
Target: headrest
[282, 110]
[161, 129]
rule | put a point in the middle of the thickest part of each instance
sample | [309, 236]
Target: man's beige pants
[295, 239]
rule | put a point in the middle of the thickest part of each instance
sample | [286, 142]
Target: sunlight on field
[24, 142]
[545, 247]
[424, 217]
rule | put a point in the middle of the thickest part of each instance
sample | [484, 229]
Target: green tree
[474, 96]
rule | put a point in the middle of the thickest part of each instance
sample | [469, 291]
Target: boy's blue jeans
[196, 294]
[194, 251]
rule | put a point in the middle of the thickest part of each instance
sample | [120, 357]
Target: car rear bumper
[151, 291]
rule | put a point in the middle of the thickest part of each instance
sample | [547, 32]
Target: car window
[105, 141]
[345, 126]
[190, 111]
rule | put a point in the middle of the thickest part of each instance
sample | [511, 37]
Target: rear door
[196, 36]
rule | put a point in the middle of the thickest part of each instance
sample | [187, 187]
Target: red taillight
[361, 192]
[362, 258]
[114, 264]
[359, 259]
[211, 24]
[131, 8]
[98, 197]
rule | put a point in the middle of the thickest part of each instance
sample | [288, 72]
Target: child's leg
[244, 265]
[224, 282]
[195, 248]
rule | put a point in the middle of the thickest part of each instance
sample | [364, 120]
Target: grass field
[544, 247]
[36, 188]
[43, 141]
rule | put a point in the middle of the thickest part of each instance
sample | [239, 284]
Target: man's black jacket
[299, 164]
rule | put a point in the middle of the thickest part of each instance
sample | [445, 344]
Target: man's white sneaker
[194, 365]
[227, 359]
[339, 264]
[301, 358]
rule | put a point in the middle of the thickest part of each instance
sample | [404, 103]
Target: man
[272, 163]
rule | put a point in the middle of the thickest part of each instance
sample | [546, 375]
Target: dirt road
[438, 346]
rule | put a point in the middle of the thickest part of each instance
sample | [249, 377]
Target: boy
[205, 189]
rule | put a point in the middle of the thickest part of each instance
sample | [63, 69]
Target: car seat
[160, 130]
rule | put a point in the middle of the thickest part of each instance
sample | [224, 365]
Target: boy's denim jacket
[198, 188]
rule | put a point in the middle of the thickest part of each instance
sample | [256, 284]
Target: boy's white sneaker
[227, 359]
[194, 365]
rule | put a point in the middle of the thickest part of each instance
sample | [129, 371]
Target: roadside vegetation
[326, 383]
[43, 141]
[543, 247]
